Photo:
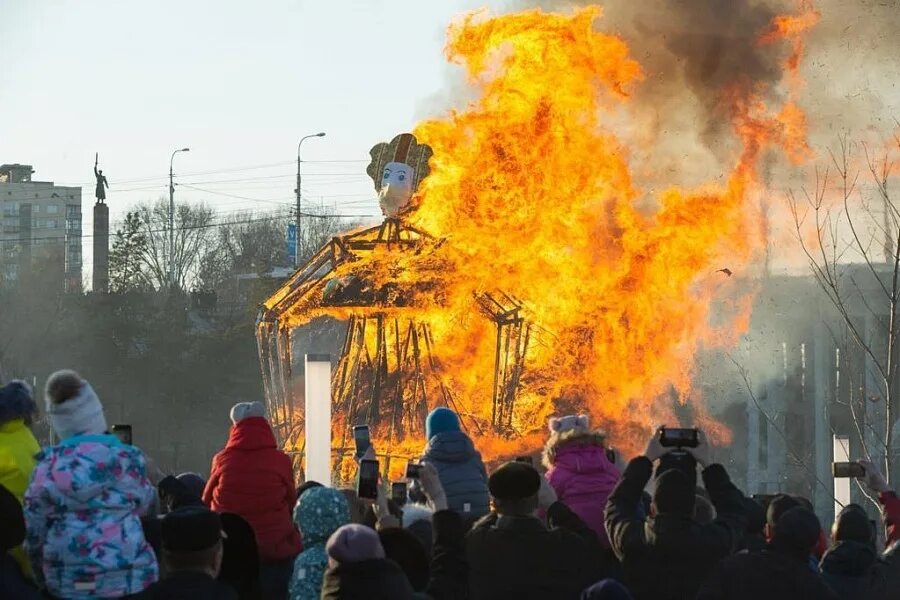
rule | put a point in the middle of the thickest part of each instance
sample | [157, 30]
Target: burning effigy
[519, 271]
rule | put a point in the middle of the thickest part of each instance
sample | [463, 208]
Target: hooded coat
[847, 569]
[251, 477]
[668, 556]
[319, 513]
[82, 511]
[461, 472]
[582, 476]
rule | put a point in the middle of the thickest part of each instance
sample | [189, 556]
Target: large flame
[533, 192]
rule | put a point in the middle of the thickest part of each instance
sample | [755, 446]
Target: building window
[53, 209]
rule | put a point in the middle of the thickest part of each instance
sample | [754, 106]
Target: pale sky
[237, 82]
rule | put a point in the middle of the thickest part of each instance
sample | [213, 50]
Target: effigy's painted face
[396, 188]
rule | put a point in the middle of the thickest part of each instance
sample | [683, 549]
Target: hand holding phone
[398, 493]
[413, 470]
[123, 432]
[671, 437]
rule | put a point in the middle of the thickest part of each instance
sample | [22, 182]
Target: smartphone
[362, 439]
[368, 479]
[670, 437]
[123, 432]
[413, 470]
[525, 459]
[842, 470]
[398, 493]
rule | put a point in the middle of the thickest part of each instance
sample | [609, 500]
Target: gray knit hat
[242, 410]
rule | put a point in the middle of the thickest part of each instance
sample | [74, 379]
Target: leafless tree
[194, 234]
[850, 234]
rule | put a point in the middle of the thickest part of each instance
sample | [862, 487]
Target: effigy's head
[396, 169]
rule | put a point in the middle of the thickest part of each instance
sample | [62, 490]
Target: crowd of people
[92, 517]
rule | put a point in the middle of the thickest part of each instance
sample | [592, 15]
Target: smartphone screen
[398, 493]
[413, 470]
[361, 438]
[123, 432]
[678, 438]
[368, 479]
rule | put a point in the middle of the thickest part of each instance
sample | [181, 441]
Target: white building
[41, 226]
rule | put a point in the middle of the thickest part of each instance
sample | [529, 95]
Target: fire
[533, 193]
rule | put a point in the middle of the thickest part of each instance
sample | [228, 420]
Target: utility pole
[172, 219]
[300, 196]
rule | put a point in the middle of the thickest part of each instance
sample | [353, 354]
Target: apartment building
[41, 227]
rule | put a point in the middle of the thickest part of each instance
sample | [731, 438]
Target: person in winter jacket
[319, 513]
[192, 554]
[580, 470]
[13, 583]
[458, 464]
[667, 556]
[780, 572]
[18, 448]
[358, 570]
[849, 565]
[240, 557]
[513, 555]
[251, 477]
[85, 500]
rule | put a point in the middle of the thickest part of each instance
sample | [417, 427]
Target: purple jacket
[583, 479]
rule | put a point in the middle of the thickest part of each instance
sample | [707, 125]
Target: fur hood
[572, 437]
[16, 402]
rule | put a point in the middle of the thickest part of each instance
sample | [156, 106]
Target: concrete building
[41, 227]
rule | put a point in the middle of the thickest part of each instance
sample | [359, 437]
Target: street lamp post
[299, 196]
[172, 219]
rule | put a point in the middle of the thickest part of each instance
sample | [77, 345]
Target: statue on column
[102, 184]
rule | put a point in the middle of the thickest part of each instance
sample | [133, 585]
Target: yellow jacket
[17, 460]
[17, 451]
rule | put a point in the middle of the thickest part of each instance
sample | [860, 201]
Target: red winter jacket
[891, 509]
[251, 477]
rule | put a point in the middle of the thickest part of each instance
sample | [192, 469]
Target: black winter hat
[779, 505]
[796, 532]
[852, 525]
[191, 529]
[674, 494]
[514, 481]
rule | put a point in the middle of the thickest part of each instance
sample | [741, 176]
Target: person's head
[795, 533]
[440, 420]
[704, 511]
[779, 505]
[246, 410]
[674, 495]
[514, 489]
[17, 402]
[405, 549]
[192, 540]
[307, 485]
[319, 513]
[72, 406]
[193, 484]
[353, 543]
[852, 524]
[607, 589]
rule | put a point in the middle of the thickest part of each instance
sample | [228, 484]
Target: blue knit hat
[16, 402]
[440, 420]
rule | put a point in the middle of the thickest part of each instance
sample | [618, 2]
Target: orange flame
[534, 195]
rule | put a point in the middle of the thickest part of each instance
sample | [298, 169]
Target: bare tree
[850, 234]
[194, 234]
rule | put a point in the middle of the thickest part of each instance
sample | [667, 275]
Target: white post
[841, 485]
[317, 425]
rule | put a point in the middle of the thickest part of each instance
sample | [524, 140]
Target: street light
[299, 196]
[172, 219]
